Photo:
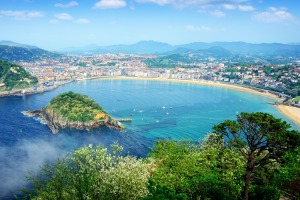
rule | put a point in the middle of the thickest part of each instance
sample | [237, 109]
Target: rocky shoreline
[56, 122]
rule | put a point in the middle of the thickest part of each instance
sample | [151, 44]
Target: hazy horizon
[55, 25]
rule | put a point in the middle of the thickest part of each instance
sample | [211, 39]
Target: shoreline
[201, 82]
[291, 112]
[29, 91]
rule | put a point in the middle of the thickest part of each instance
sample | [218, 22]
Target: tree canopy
[256, 152]
[260, 139]
[76, 107]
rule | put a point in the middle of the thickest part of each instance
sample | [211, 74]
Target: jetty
[124, 119]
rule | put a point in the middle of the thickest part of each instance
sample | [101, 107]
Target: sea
[159, 110]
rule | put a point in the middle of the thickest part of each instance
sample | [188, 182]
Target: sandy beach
[202, 82]
[291, 112]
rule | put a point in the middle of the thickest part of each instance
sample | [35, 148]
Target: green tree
[187, 170]
[260, 139]
[91, 173]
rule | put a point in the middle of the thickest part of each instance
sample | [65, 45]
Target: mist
[26, 155]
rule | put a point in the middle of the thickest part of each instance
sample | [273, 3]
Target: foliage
[15, 76]
[91, 173]
[189, 171]
[260, 139]
[76, 107]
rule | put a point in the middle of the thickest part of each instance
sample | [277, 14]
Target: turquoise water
[174, 110]
[158, 109]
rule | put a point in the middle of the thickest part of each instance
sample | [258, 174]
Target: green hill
[16, 53]
[13, 76]
[76, 107]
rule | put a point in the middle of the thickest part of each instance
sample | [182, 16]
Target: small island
[74, 111]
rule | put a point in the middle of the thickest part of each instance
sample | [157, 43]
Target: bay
[159, 110]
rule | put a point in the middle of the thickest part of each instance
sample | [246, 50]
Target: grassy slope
[15, 77]
[77, 107]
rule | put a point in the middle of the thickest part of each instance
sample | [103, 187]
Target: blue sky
[55, 24]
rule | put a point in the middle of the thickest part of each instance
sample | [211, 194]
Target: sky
[58, 24]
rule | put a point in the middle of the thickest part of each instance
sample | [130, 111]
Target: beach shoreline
[289, 111]
[293, 113]
[201, 82]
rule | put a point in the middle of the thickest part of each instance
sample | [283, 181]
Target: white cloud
[104, 4]
[218, 13]
[229, 6]
[159, 2]
[226, 4]
[246, 8]
[203, 29]
[273, 15]
[67, 5]
[63, 16]
[82, 21]
[21, 15]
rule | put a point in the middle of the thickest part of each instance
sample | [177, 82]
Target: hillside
[13, 76]
[75, 111]
[76, 107]
[17, 53]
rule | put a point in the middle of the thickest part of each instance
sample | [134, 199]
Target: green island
[75, 111]
[77, 107]
[13, 76]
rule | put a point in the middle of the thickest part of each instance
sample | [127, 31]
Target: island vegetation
[256, 156]
[76, 107]
[76, 111]
[13, 76]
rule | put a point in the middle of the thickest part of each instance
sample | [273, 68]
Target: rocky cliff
[56, 122]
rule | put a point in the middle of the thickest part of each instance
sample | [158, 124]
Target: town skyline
[59, 24]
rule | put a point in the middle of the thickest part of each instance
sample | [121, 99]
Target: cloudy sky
[55, 24]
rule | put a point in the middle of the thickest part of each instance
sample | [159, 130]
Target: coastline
[202, 82]
[293, 113]
[27, 91]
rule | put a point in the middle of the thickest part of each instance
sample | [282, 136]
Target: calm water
[158, 109]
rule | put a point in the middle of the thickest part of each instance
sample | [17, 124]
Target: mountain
[266, 49]
[14, 77]
[237, 48]
[215, 51]
[14, 44]
[142, 47]
[16, 53]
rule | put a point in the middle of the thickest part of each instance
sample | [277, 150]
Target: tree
[186, 170]
[260, 138]
[91, 173]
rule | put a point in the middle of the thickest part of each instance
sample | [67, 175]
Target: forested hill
[13, 76]
[16, 53]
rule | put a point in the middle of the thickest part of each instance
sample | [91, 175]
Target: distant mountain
[266, 49]
[29, 53]
[143, 47]
[217, 52]
[14, 44]
[238, 48]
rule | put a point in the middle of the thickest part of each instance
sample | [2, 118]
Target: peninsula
[74, 111]
[15, 77]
